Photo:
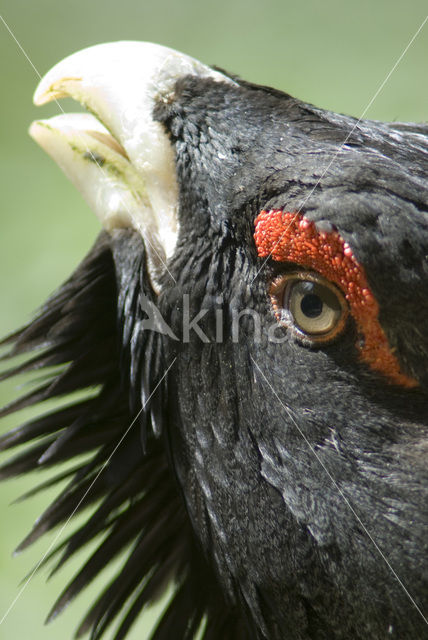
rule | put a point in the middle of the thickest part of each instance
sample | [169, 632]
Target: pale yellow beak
[117, 155]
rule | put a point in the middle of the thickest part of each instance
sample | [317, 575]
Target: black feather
[130, 493]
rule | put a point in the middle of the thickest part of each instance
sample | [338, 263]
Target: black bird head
[250, 332]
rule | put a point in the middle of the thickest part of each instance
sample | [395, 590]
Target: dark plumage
[281, 484]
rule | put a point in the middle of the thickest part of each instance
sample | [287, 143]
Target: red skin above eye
[289, 237]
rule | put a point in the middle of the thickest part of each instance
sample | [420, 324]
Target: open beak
[117, 155]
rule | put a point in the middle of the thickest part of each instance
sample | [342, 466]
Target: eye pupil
[311, 305]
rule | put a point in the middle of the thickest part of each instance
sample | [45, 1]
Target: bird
[240, 362]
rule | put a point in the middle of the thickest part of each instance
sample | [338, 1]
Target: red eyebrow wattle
[290, 237]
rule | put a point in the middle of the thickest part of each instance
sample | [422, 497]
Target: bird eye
[310, 305]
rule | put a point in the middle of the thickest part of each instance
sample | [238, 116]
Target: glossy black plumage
[283, 487]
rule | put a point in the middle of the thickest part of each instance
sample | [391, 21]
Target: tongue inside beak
[117, 155]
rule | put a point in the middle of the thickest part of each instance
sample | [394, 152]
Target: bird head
[252, 319]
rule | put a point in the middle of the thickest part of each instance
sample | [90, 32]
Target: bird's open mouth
[117, 155]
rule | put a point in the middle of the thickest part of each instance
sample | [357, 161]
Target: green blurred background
[335, 54]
